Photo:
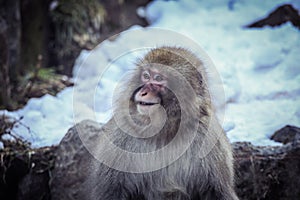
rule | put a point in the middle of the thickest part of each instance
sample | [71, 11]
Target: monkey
[164, 121]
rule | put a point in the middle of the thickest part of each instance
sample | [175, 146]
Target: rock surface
[287, 134]
[24, 174]
[282, 14]
[70, 156]
[262, 172]
[267, 172]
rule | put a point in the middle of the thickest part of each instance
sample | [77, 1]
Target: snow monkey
[171, 144]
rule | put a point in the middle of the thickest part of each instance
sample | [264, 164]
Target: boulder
[267, 172]
[282, 14]
[69, 170]
[287, 134]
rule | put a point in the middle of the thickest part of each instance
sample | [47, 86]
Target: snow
[259, 69]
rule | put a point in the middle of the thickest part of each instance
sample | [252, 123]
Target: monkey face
[149, 96]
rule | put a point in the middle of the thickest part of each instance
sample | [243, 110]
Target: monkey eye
[146, 75]
[158, 77]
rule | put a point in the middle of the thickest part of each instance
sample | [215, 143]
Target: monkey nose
[143, 94]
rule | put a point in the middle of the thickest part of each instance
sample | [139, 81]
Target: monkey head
[165, 88]
[167, 75]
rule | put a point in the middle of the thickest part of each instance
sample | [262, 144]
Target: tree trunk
[10, 34]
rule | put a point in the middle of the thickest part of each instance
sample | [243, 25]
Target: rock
[68, 173]
[25, 173]
[279, 16]
[287, 134]
[262, 172]
[34, 186]
[267, 172]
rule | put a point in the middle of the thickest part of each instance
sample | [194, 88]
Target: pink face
[154, 84]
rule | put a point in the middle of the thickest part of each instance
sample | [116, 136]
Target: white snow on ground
[259, 68]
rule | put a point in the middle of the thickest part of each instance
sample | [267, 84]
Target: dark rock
[34, 186]
[267, 172]
[11, 171]
[286, 134]
[69, 173]
[24, 175]
[283, 14]
[262, 172]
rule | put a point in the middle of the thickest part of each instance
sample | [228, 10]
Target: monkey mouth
[143, 103]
